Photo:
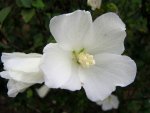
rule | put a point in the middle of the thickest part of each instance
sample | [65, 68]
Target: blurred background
[24, 27]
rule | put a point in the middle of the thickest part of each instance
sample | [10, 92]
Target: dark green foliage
[24, 27]
[4, 13]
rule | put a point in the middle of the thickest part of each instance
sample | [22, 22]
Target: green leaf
[38, 40]
[26, 3]
[4, 13]
[27, 14]
[38, 4]
[134, 106]
[29, 93]
[19, 3]
[112, 7]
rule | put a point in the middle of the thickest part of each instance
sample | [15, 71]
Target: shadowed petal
[15, 87]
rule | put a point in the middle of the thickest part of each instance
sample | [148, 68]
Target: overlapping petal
[95, 83]
[110, 71]
[69, 30]
[15, 87]
[36, 77]
[42, 91]
[21, 62]
[22, 70]
[109, 103]
[22, 67]
[5, 74]
[73, 82]
[121, 69]
[108, 35]
[7, 56]
[114, 101]
[59, 68]
[56, 65]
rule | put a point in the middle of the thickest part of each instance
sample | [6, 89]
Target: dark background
[24, 28]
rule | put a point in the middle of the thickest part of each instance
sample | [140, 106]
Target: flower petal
[95, 4]
[43, 91]
[7, 56]
[95, 83]
[109, 103]
[106, 105]
[22, 67]
[23, 77]
[70, 29]
[114, 101]
[74, 82]
[121, 69]
[26, 77]
[108, 35]
[56, 66]
[21, 63]
[99, 102]
[111, 70]
[5, 74]
[15, 87]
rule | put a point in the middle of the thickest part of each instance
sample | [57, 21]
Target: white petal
[43, 91]
[24, 64]
[108, 35]
[74, 82]
[15, 87]
[22, 67]
[121, 69]
[94, 4]
[110, 103]
[70, 29]
[5, 74]
[7, 56]
[26, 77]
[95, 83]
[99, 102]
[106, 105]
[114, 101]
[110, 71]
[56, 66]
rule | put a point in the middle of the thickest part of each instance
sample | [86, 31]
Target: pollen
[84, 59]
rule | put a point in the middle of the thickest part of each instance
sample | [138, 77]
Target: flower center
[83, 58]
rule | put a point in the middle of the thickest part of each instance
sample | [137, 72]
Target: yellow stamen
[84, 59]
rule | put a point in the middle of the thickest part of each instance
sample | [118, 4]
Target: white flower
[22, 70]
[109, 103]
[95, 4]
[87, 54]
[43, 91]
